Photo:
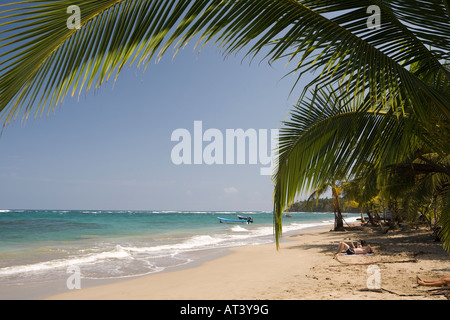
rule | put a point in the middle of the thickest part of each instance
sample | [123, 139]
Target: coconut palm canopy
[379, 94]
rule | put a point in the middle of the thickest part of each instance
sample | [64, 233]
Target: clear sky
[111, 149]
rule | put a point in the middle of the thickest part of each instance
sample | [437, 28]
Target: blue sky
[111, 149]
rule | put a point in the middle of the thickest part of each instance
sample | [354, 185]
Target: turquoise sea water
[40, 245]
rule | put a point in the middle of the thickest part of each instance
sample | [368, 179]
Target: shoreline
[38, 290]
[303, 269]
[114, 246]
[53, 288]
[45, 289]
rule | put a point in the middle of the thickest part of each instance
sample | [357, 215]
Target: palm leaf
[44, 61]
[330, 137]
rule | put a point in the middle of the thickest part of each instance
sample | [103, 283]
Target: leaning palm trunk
[338, 220]
[362, 217]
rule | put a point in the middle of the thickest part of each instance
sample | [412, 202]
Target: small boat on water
[245, 218]
[242, 219]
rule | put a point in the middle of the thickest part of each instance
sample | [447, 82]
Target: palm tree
[336, 192]
[362, 190]
[393, 77]
[336, 186]
[327, 135]
[419, 187]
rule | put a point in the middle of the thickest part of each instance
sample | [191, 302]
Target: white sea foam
[117, 253]
[238, 229]
[193, 243]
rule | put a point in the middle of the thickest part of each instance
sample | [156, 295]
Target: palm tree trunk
[371, 219]
[362, 217]
[393, 207]
[338, 221]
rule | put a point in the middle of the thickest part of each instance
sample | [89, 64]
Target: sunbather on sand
[434, 283]
[351, 249]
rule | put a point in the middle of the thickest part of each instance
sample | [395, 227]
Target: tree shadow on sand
[417, 244]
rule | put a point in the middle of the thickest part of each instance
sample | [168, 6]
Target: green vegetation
[376, 119]
[322, 205]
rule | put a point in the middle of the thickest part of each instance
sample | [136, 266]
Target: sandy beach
[303, 269]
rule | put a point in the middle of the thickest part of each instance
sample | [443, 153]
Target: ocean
[41, 245]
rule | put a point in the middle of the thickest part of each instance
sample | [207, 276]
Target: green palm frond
[330, 137]
[379, 60]
[43, 61]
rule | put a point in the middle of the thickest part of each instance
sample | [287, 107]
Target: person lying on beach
[434, 283]
[351, 249]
